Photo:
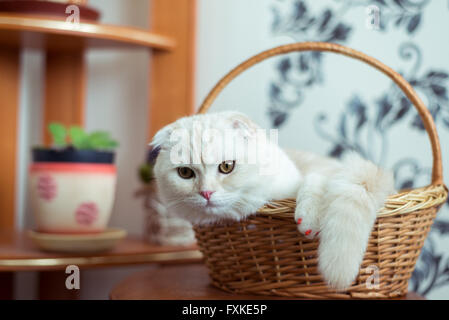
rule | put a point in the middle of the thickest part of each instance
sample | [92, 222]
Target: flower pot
[72, 191]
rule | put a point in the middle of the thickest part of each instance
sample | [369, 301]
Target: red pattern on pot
[86, 213]
[47, 187]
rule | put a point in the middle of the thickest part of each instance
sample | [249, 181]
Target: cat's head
[206, 170]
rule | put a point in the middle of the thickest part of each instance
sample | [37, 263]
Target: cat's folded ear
[240, 121]
[161, 138]
[154, 152]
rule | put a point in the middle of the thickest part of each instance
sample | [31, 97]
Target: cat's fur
[336, 199]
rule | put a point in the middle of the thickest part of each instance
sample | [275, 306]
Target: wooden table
[186, 282]
[18, 253]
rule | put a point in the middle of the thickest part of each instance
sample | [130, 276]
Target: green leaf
[58, 134]
[146, 173]
[97, 140]
[78, 137]
[101, 140]
[112, 144]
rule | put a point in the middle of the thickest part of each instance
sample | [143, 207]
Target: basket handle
[429, 125]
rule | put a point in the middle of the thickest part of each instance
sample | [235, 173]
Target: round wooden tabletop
[181, 282]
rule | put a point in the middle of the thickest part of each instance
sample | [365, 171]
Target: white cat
[206, 175]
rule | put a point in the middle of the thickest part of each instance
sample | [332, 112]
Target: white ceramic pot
[72, 197]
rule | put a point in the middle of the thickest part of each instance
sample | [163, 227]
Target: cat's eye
[186, 173]
[226, 166]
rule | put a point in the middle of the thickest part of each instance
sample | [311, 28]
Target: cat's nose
[206, 194]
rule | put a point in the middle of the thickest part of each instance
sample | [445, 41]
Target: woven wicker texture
[265, 254]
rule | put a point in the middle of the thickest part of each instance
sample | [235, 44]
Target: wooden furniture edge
[45, 264]
[89, 30]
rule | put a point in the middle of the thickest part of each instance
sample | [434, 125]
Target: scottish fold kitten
[222, 165]
[209, 190]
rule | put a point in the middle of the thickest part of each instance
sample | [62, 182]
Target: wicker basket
[266, 254]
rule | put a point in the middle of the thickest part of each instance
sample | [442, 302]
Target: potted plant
[72, 183]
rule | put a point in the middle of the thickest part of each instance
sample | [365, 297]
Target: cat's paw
[307, 218]
[309, 205]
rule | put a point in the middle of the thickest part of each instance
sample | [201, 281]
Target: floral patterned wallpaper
[365, 122]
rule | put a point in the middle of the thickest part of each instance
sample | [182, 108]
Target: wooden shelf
[18, 253]
[36, 31]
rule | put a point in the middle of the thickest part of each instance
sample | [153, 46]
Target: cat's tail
[354, 197]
